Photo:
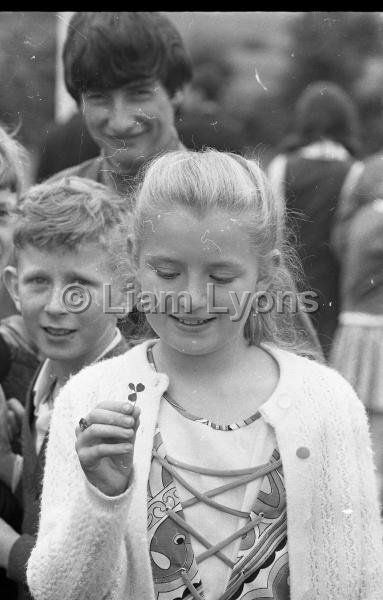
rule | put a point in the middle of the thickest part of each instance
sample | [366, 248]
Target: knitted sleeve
[355, 531]
[80, 551]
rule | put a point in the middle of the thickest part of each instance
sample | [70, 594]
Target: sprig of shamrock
[139, 388]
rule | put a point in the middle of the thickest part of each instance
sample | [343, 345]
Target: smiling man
[127, 72]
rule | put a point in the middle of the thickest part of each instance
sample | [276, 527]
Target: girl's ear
[12, 284]
[272, 262]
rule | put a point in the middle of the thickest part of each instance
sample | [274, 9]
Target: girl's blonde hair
[209, 180]
[14, 162]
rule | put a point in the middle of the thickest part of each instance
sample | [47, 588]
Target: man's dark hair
[110, 49]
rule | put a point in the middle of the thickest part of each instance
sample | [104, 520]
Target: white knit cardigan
[94, 547]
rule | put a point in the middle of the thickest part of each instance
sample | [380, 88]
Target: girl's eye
[166, 274]
[222, 279]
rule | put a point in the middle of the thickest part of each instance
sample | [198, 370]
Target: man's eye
[96, 97]
[142, 93]
[4, 213]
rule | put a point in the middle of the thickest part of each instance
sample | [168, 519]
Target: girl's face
[210, 261]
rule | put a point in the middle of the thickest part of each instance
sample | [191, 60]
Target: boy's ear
[12, 284]
[273, 262]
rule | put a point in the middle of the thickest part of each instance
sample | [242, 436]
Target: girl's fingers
[92, 454]
[109, 417]
[124, 407]
[99, 433]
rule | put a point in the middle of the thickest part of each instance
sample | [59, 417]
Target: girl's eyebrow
[224, 263]
[163, 258]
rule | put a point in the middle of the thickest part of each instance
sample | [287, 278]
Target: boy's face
[8, 202]
[36, 285]
[132, 123]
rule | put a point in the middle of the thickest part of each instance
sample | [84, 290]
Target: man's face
[132, 123]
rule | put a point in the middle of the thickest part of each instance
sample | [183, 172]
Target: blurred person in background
[18, 359]
[357, 351]
[309, 173]
[18, 355]
[203, 121]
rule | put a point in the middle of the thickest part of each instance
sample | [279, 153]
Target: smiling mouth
[58, 331]
[124, 141]
[192, 322]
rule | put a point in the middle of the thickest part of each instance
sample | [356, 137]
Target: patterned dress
[261, 569]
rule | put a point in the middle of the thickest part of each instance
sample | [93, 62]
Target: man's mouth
[123, 142]
[58, 331]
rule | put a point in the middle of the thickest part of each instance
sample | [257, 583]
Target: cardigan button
[303, 452]
[284, 401]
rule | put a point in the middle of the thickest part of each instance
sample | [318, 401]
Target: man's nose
[122, 118]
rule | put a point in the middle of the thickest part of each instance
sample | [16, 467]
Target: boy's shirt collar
[46, 381]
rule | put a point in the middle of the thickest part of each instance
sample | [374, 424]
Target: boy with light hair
[68, 241]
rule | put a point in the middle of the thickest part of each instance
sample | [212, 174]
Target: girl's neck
[206, 385]
[210, 365]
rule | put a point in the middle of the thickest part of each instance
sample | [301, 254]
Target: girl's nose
[198, 294]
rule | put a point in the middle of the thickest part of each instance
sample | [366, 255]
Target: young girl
[212, 462]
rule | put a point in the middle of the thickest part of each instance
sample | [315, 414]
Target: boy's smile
[75, 339]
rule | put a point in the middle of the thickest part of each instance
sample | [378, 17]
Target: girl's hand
[105, 447]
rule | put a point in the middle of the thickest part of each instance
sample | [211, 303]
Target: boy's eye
[83, 282]
[37, 280]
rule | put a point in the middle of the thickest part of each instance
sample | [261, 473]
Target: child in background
[213, 461]
[18, 356]
[67, 239]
